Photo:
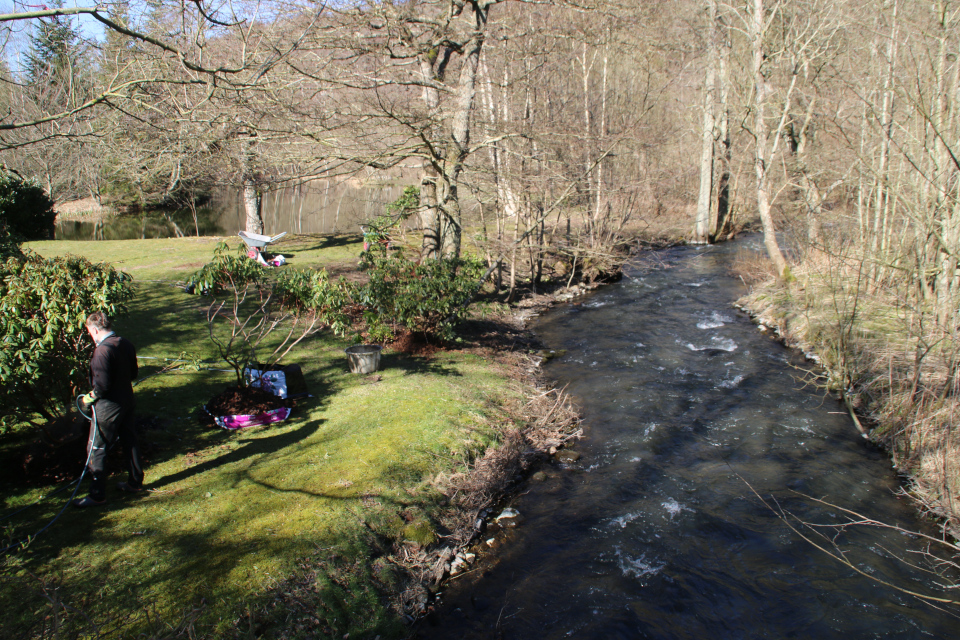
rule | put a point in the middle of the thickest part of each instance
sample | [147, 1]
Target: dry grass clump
[752, 267]
[552, 419]
[919, 427]
[85, 209]
[891, 358]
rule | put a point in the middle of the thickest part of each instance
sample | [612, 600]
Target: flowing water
[654, 532]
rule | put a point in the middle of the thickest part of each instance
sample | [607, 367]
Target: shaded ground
[40, 462]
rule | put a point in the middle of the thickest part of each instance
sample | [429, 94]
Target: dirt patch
[45, 464]
[348, 271]
[414, 343]
[245, 401]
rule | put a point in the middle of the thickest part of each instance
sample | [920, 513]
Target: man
[113, 369]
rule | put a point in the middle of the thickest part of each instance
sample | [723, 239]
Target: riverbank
[338, 521]
[85, 210]
[873, 357]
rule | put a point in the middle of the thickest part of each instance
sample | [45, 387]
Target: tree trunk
[760, 133]
[429, 216]
[701, 232]
[599, 220]
[723, 220]
[459, 146]
[252, 201]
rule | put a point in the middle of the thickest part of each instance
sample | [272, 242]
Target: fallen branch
[839, 555]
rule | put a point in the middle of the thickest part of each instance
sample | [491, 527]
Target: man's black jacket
[113, 369]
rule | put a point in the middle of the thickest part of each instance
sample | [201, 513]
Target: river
[655, 531]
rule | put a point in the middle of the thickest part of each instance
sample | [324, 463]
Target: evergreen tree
[52, 62]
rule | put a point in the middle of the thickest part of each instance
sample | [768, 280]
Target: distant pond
[320, 206]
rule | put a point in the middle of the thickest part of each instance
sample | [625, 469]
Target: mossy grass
[230, 517]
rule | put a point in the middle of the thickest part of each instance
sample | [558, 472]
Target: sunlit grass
[230, 515]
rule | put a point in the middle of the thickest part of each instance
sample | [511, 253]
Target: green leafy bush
[226, 271]
[25, 208]
[429, 297]
[312, 292]
[379, 228]
[406, 204]
[43, 305]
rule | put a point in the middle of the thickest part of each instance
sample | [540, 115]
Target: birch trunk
[701, 232]
[723, 219]
[460, 139]
[252, 201]
[599, 221]
[757, 29]
[429, 216]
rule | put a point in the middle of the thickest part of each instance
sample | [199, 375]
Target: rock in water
[508, 514]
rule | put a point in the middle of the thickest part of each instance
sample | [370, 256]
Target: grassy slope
[231, 514]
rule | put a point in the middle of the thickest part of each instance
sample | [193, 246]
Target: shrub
[379, 228]
[404, 206]
[248, 309]
[25, 209]
[43, 305]
[9, 243]
[226, 271]
[429, 297]
[312, 292]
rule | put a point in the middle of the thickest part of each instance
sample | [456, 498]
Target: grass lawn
[231, 518]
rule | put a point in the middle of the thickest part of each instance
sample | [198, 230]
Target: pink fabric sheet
[241, 422]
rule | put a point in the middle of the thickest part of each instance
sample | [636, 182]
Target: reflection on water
[654, 532]
[319, 206]
[170, 224]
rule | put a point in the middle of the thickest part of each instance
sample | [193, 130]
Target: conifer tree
[52, 62]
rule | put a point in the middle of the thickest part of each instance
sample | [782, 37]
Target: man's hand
[88, 399]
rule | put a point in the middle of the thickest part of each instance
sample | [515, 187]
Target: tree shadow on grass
[410, 364]
[315, 242]
[53, 541]
[498, 334]
[170, 439]
[183, 572]
[161, 321]
[165, 440]
[251, 447]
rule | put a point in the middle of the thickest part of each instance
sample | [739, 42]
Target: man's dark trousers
[113, 421]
